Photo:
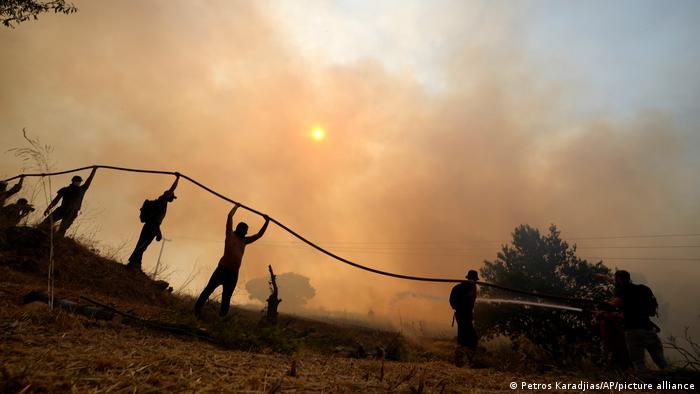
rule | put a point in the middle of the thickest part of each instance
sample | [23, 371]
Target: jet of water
[528, 303]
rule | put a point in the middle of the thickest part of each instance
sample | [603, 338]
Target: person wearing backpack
[638, 304]
[152, 215]
[462, 299]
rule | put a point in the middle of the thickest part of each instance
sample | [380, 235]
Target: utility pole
[162, 246]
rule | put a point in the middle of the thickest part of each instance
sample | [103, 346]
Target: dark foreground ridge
[70, 350]
[83, 277]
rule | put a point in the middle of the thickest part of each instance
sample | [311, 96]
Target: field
[63, 351]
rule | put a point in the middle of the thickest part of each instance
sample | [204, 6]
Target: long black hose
[301, 238]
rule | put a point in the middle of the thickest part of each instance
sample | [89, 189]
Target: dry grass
[58, 352]
[42, 351]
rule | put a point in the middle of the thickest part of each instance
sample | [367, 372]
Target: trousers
[466, 334]
[639, 340]
[222, 276]
[148, 234]
[65, 215]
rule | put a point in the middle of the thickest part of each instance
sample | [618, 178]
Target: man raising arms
[226, 273]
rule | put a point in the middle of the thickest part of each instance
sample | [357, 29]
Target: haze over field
[446, 125]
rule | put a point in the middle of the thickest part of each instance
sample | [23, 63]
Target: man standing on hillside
[462, 299]
[72, 199]
[152, 215]
[226, 273]
[638, 304]
[5, 194]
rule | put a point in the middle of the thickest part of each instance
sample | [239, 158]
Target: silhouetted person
[12, 214]
[226, 273]
[462, 299]
[71, 198]
[638, 304]
[612, 333]
[5, 194]
[152, 214]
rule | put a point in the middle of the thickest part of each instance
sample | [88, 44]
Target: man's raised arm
[177, 178]
[260, 233]
[89, 180]
[17, 187]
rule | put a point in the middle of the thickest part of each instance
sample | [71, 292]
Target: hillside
[64, 351]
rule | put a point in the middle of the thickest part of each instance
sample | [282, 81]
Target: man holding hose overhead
[71, 198]
[226, 273]
[152, 215]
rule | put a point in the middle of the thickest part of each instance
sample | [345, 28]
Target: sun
[318, 134]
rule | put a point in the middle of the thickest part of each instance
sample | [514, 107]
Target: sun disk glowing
[318, 134]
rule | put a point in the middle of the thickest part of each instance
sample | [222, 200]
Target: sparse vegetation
[689, 351]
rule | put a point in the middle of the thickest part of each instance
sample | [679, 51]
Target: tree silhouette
[294, 289]
[14, 12]
[544, 264]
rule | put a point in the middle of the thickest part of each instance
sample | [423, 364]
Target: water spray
[528, 303]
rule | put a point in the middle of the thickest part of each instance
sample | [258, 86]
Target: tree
[14, 12]
[273, 301]
[294, 289]
[544, 264]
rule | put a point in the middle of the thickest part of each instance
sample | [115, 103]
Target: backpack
[647, 301]
[458, 296]
[149, 210]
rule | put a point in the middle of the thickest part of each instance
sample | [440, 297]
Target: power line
[641, 247]
[465, 248]
[473, 242]
[649, 258]
[455, 252]
[639, 236]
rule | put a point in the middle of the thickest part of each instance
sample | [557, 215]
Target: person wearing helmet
[152, 215]
[462, 299]
[5, 194]
[12, 214]
[71, 198]
[226, 273]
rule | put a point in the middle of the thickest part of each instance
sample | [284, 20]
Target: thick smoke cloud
[422, 183]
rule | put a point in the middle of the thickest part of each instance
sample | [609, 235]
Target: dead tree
[272, 301]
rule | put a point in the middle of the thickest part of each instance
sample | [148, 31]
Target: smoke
[404, 295]
[407, 180]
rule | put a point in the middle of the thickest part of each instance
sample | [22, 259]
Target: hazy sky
[448, 123]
